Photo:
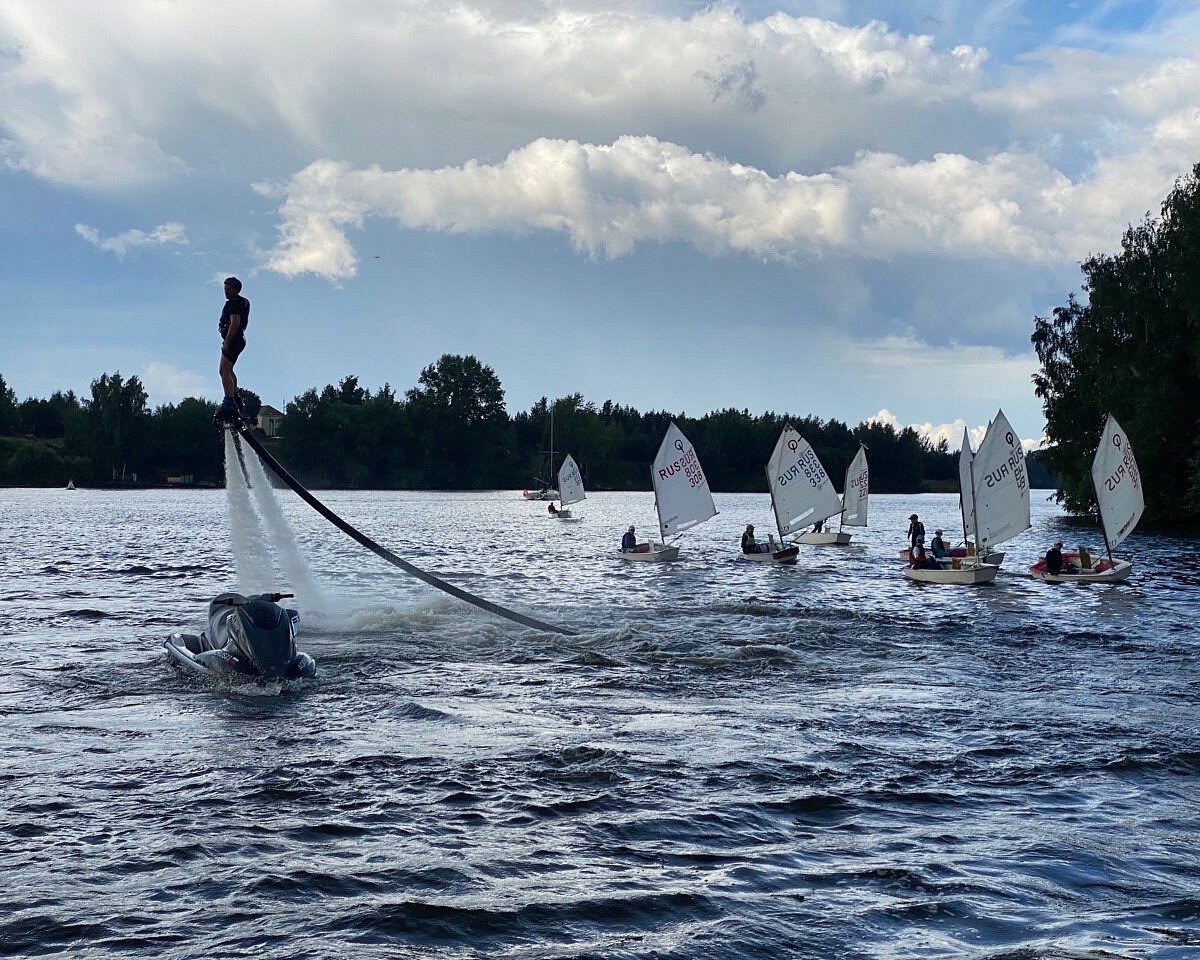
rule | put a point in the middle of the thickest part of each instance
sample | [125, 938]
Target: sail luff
[965, 484]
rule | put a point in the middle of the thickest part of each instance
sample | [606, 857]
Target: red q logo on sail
[1009, 437]
[1117, 440]
[792, 445]
[679, 445]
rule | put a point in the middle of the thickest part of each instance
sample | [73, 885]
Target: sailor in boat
[937, 546]
[628, 541]
[750, 545]
[819, 526]
[1055, 564]
[920, 559]
[550, 509]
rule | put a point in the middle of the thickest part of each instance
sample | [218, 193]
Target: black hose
[386, 554]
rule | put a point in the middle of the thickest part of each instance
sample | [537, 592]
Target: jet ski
[249, 639]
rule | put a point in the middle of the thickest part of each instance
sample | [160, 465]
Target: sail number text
[809, 466]
[689, 464]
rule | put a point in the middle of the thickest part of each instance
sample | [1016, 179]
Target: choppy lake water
[729, 760]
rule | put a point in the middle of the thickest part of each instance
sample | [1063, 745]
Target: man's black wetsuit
[241, 306]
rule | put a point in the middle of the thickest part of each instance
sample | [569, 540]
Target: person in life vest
[550, 509]
[235, 316]
[749, 544]
[628, 541]
[915, 529]
[920, 559]
[937, 546]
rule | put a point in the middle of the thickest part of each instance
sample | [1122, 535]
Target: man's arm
[235, 327]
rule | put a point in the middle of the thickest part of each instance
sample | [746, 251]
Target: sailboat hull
[1102, 572]
[541, 494]
[965, 575]
[651, 553]
[993, 556]
[785, 555]
[826, 538]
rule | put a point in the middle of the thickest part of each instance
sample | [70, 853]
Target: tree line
[1132, 349]
[450, 431]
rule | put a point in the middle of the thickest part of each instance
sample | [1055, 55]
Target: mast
[974, 512]
[845, 487]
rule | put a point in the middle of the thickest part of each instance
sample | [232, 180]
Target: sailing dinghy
[544, 490]
[1120, 501]
[570, 488]
[682, 498]
[801, 491]
[997, 485]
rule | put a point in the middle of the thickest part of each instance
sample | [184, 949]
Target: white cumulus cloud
[166, 383]
[166, 234]
[610, 198]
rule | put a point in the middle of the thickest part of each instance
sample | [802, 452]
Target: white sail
[1001, 485]
[801, 491]
[1118, 484]
[681, 491]
[854, 493]
[570, 483]
[966, 502]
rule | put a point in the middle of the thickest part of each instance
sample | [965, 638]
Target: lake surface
[728, 760]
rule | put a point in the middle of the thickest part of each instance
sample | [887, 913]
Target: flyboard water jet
[243, 429]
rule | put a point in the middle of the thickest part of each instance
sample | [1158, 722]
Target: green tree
[120, 426]
[8, 409]
[1133, 350]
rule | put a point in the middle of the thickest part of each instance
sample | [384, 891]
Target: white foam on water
[251, 561]
[309, 594]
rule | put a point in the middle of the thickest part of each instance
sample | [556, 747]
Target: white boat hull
[995, 557]
[783, 555]
[1115, 574]
[540, 495]
[651, 553]
[826, 538]
[965, 575]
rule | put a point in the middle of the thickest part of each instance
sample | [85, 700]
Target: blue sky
[841, 209]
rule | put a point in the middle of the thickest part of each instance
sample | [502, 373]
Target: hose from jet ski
[386, 554]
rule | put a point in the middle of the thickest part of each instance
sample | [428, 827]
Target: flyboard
[243, 429]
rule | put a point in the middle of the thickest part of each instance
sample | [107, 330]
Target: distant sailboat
[70, 484]
[995, 499]
[570, 488]
[682, 498]
[545, 491]
[1120, 502]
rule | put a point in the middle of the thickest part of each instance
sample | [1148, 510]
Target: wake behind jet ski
[248, 639]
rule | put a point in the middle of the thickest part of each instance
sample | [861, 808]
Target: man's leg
[228, 377]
